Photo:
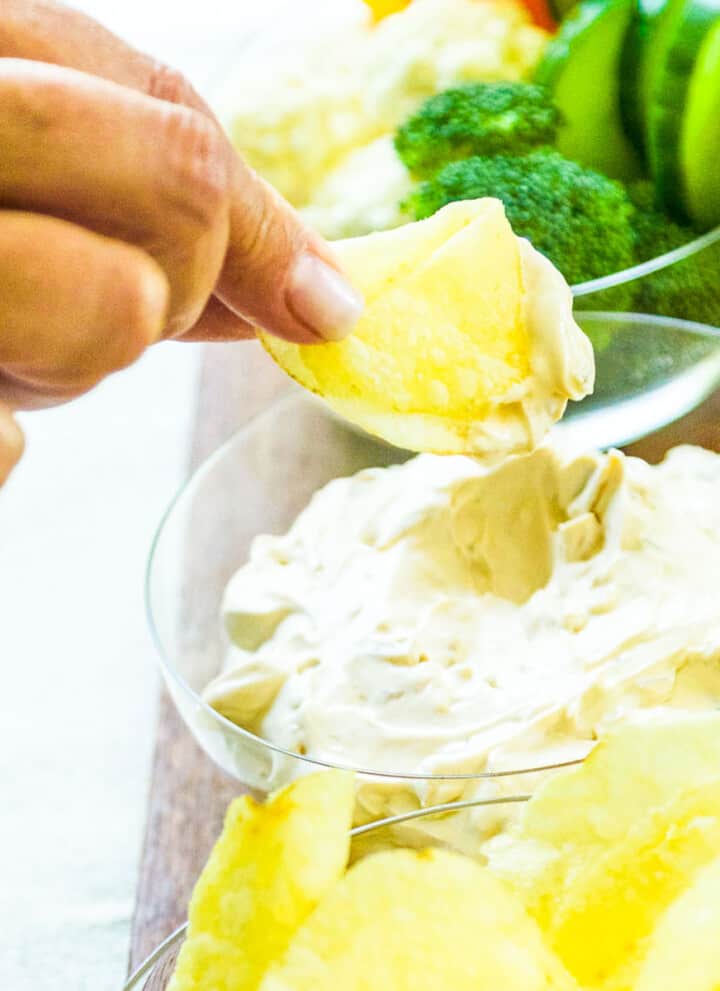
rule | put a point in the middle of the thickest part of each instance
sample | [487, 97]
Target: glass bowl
[262, 478]
[650, 371]
[257, 483]
[154, 973]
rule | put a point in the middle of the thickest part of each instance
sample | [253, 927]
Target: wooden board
[188, 793]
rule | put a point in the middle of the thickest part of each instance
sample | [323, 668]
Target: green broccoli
[581, 220]
[642, 193]
[476, 119]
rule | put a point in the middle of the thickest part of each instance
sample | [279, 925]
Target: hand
[126, 217]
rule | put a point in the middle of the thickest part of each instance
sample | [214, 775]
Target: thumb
[278, 274]
[11, 442]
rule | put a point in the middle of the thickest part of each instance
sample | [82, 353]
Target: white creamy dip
[441, 617]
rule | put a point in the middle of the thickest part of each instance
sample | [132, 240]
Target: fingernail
[321, 299]
[155, 301]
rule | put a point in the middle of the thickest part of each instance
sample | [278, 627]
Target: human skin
[126, 217]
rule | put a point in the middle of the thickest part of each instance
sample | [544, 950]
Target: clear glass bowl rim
[648, 267]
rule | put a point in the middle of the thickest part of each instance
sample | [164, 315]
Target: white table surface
[78, 681]
[79, 689]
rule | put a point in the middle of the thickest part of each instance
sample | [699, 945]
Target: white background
[78, 690]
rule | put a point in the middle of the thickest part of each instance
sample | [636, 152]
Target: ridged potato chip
[684, 950]
[576, 813]
[443, 341]
[418, 921]
[598, 920]
[603, 849]
[267, 872]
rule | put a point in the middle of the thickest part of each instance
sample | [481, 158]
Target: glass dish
[257, 483]
[651, 371]
[155, 972]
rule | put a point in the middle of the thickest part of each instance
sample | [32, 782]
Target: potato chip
[267, 872]
[443, 345]
[418, 921]
[635, 768]
[684, 950]
[612, 901]
[384, 8]
[602, 849]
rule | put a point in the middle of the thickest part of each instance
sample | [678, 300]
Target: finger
[12, 443]
[121, 164]
[218, 323]
[74, 306]
[277, 274]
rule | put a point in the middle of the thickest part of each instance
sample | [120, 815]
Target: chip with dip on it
[467, 344]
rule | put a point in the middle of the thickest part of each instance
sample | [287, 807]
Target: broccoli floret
[476, 119]
[581, 220]
[642, 193]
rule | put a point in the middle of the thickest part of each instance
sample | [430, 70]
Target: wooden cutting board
[188, 794]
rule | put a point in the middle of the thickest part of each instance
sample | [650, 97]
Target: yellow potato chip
[601, 850]
[443, 344]
[611, 902]
[684, 950]
[383, 8]
[267, 872]
[418, 921]
[634, 768]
